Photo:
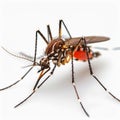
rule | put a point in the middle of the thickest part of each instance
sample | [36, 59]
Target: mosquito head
[44, 63]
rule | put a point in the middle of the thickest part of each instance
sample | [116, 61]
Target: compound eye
[43, 61]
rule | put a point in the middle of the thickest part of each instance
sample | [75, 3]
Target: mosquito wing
[89, 39]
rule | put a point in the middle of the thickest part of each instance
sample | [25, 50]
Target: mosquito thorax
[58, 52]
[54, 46]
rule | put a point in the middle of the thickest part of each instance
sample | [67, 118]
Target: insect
[59, 52]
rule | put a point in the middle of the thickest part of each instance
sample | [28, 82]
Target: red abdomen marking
[81, 55]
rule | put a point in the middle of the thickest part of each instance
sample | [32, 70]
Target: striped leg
[74, 86]
[36, 86]
[60, 29]
[92, 74]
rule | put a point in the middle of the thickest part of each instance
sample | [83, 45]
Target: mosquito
[59, 52]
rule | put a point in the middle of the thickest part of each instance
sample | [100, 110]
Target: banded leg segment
[94, 76]
[34, 61]
[60, 29]
[49, 33]
[74, 86]
[17, 80]
[36, 86]
[36, 39]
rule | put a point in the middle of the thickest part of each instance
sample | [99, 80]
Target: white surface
[56, 99]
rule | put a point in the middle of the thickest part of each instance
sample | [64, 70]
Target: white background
[56, 99]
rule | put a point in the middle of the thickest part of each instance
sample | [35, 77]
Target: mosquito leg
[51, 73]
[91, 72]
[18, 80]
[38, 32]
[74, 85]
[49, 33]
[34, 62]
[60, 29]
[35, 87]
[41, 74]
[36, 37]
